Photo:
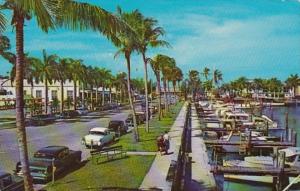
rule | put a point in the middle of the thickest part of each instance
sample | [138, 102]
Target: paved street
[65, 132]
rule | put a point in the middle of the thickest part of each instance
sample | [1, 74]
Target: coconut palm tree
[120, 83]
[292, 82]
[61, 74]
[66, 13]
[176, 78]
[75, 69]
[193, 79]
[156, 65]
[217, 77]
[45, 73]
[168, 65]
[206, 72]
[148, 36]
[127, 44]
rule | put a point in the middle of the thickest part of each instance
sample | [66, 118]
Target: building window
[38, 93]
[54, 94]
[70, 94]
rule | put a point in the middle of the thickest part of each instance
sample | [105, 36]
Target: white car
[98, 137]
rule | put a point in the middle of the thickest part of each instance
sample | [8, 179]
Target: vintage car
[10, 182]
[98, 137]
[42, 119]
[47, 159]
[118, 126]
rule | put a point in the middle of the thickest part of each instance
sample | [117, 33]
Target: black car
[10, 182]
[118, 126]
[140, 118]
[42, 119]
[47, 159]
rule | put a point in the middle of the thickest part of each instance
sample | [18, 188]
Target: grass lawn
[148, 140]
[123, 173]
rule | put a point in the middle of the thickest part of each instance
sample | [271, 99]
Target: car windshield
[43, 155]
[97, 133]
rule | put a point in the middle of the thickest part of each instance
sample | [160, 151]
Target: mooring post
[290, 135]
[267, 128]
[275, 164]
[283, 181]
[249, 142]
[286, 125]
[294, 138]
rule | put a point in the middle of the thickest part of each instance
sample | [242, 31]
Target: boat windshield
[291, 158]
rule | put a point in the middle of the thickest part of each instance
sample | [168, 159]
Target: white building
[8, 90]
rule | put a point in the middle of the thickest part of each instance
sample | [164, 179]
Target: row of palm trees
[129, 32]
[271, 85]
[210, 81]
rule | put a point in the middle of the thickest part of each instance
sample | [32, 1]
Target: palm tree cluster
[130, 32]
[259, 85]
[165, 70]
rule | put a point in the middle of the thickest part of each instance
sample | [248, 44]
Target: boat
[292, 159]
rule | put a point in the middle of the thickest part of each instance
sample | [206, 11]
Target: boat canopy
[291, 151]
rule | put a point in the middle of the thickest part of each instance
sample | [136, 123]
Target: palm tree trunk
[103, 94]
[110, 96]
[82, 95]
[46, 95]
[174, 88]
[146, 91]
[159, 96]
[75, 95]
[20, 120]
[92, 104]
[168, 85]
[61, 96]
[165, 95]
[135, 132]
[96, 95]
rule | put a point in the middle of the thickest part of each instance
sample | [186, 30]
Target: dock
[202, 178]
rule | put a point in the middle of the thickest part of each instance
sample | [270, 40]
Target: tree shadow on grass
[66, 172]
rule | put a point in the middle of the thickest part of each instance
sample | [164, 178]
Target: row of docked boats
[236, 123]
[230, 116]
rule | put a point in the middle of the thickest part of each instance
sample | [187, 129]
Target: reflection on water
[277, 114]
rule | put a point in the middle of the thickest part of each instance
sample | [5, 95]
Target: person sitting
[166, 138]
[160, 144]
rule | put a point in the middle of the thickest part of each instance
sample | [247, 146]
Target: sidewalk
[202, 178]
[157, 174]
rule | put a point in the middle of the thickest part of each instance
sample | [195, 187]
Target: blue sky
[252, 38]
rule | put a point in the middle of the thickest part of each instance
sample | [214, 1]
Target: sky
[251, 38]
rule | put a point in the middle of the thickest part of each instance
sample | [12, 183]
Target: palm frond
[2, 22]
[83, 16]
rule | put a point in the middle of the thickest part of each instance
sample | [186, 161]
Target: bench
[107, 154]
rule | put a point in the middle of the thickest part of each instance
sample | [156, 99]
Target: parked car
[43, 119]
[129, 120]
[10, 182]
[82, 110]
[68, 114]
[118, 126]
[98, 137]
[44, 160]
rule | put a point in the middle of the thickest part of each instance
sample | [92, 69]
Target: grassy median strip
[147, 141]
[124, 173]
